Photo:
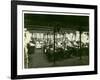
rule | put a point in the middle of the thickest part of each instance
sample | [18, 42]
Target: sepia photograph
[55, 40]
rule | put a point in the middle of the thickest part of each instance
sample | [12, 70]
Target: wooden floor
[38, 60]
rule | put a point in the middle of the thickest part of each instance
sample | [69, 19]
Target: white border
[21, 71]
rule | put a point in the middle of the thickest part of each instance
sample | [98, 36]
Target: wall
[5, 29]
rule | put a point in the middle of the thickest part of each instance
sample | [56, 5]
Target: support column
[54, 46]
[80, 45]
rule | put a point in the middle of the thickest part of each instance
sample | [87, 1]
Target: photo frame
[66, 34]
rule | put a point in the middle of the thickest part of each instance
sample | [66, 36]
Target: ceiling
[48, 22]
